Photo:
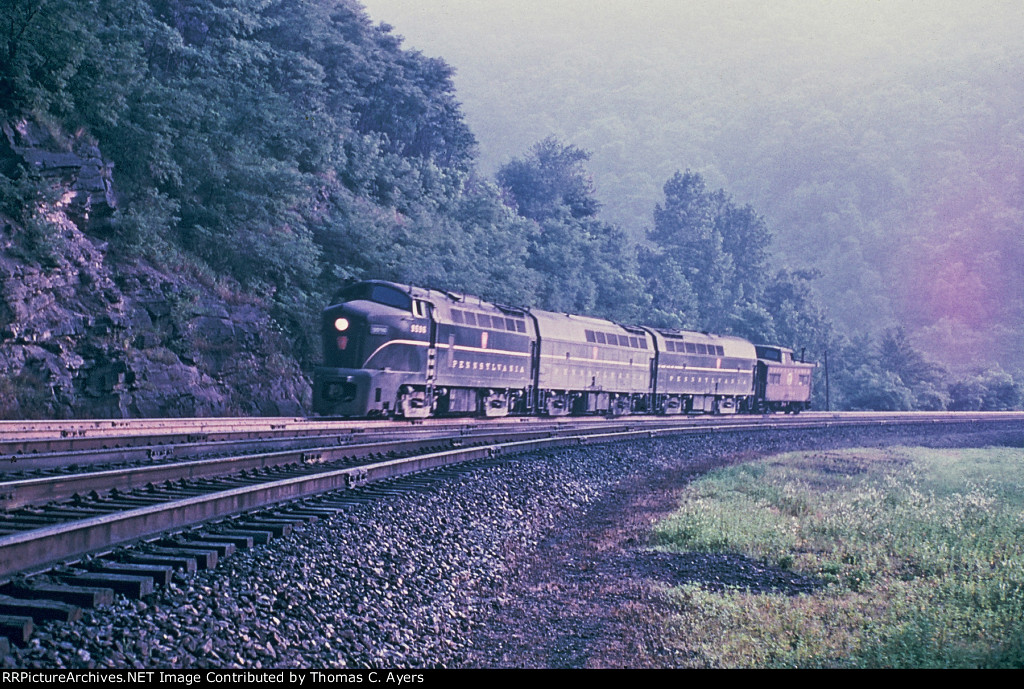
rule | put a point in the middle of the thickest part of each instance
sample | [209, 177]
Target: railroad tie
[256, 535]
[279, 527]
[82, 596]
[39, 609]
[178, 561]
[222, 546]
[131, 585]
[16, 628]
[160, 574]
[204, 558]
[241, 541]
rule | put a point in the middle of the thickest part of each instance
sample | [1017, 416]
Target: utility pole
[828, 399]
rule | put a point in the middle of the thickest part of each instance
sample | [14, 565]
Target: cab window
[381, 294]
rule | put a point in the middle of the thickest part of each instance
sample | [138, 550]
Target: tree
[898, 355]
[584, 265]
[747, 240]
[990, 390]
[550, 181]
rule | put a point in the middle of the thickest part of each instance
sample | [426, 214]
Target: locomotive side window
[483, 320]
[457, 316]
[419, 308]
[510, 325]
[691, 348]
[470, 318]
[600, 338]
[590, 336]
[702, 349]
[521, 326]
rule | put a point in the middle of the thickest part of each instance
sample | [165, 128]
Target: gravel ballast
[534, 561]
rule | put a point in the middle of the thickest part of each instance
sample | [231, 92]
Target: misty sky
[514, 42]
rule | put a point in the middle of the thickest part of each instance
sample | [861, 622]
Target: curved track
[183, 493]
[78, 510]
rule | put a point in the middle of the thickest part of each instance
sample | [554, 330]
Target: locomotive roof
[732, 345]
[574, 327]
[442, 298]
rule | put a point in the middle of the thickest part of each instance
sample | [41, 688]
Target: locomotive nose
[343, 331]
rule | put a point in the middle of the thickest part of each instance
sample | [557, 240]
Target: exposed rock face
[83, 335]
[76, 163]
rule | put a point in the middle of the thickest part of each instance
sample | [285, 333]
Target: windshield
[381, 294]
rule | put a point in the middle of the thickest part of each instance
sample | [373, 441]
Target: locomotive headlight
[341, 325]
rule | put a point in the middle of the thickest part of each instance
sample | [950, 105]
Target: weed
[919, 549]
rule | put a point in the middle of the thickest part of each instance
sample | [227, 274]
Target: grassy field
[919, 553]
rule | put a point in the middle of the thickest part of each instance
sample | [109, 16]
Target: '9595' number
[418, 329]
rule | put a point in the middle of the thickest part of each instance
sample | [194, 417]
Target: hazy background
[882, 140]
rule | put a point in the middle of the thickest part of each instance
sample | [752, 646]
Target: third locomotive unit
[408, 352]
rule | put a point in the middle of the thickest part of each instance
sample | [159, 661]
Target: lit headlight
[341, 325]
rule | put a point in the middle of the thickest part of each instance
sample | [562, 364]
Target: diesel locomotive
[409, 352]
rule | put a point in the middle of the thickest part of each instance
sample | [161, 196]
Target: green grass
[920, 553]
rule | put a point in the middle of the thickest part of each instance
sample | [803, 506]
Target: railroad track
[186, 502]
[21, 439]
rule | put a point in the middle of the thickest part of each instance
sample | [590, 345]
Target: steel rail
[162, 433]
[56, 454]
[15, 493]
[51, 544]
[180, 451]
[33, 491]
[14, 444]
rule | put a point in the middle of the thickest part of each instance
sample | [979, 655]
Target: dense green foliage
[278, 148]
[582, 264]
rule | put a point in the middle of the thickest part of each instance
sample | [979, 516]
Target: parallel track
[142, 501]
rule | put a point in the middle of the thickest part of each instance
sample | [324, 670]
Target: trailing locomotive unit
[408, 351]
[589, 365]
[698, 372]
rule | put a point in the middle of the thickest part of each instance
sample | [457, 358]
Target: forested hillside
[882, 141]
[185, 182]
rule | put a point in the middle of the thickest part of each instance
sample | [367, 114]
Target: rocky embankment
[87, 333]
[538, 561]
